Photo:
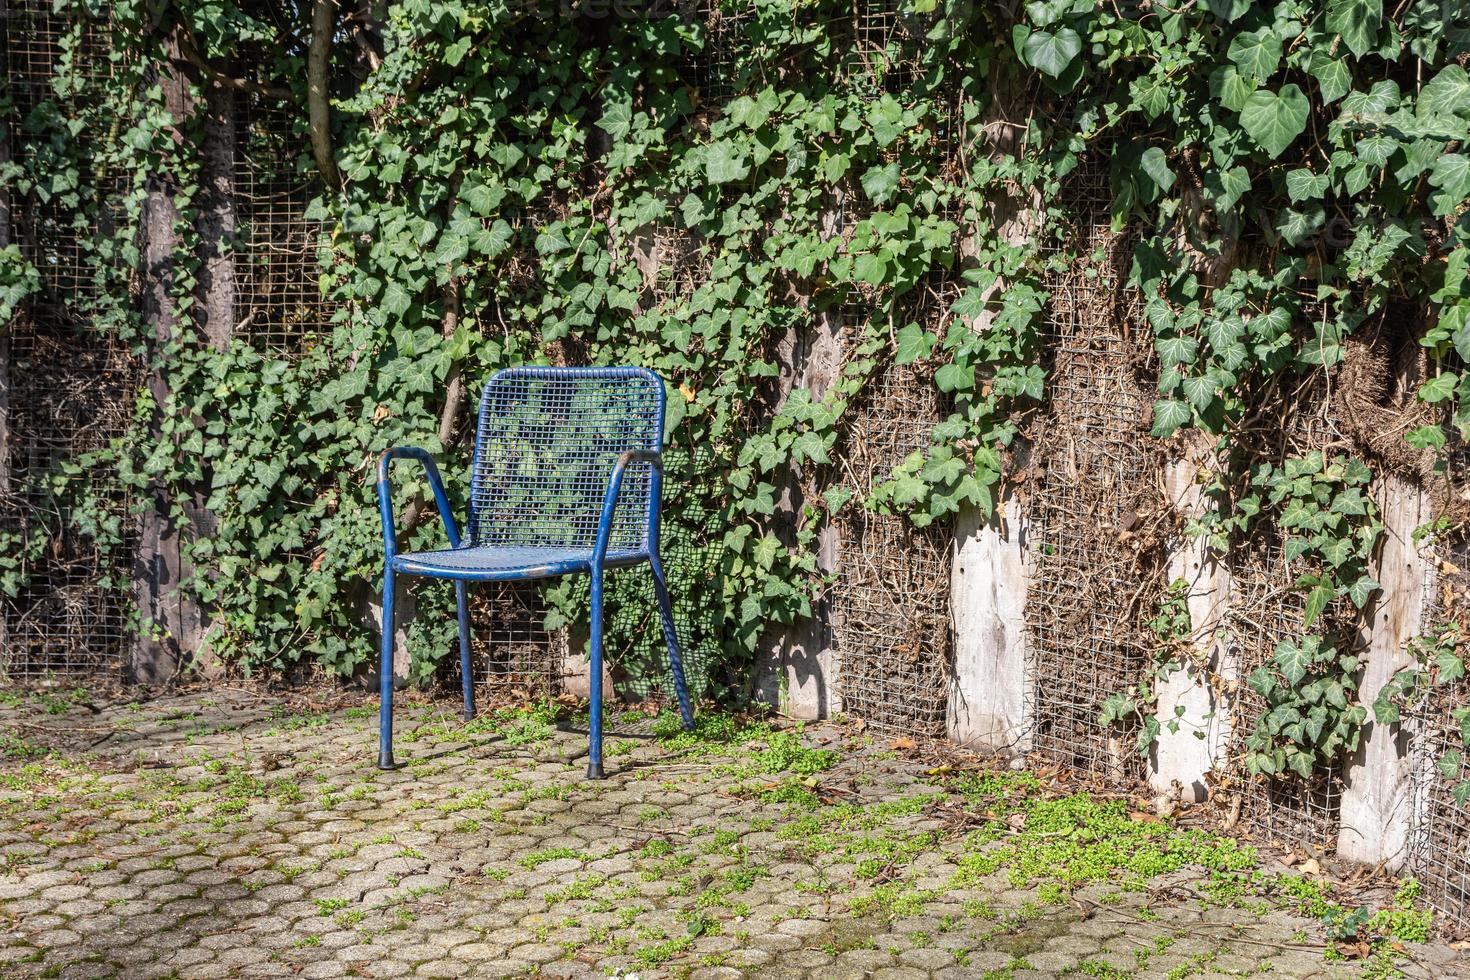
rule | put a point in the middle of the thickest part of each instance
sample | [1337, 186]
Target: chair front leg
[594, 681]
[467, 676]
[385, 674]
[671, 639]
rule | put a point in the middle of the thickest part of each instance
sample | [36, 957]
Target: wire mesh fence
[891, 604]
[1266, 608]
[512, 652]
[1438, 724]
[277, 270]
[1095, 499]
[69, 611]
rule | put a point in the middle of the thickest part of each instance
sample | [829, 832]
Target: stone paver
[217, 835]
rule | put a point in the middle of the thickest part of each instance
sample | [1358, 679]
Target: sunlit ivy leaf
[1051, 53]
[1200, 390]
[1382, 97]
[1296, 226]
[1450, 763]
[1176, 350]
[914, 344]
[1451, 175]
[1317, 601]
[881, 182]
[1362, 590]
[1275, 119]
[1438, 388]
[1303, 185]
[1447, 93]
[1231, 87]
[1334, 79]
[954, 377]
[1169, 415]
[396, 300]
[723, 163]
[1357, 21]
[617, 118]
[1430, 437]
[1292, 661]
[1227, 186]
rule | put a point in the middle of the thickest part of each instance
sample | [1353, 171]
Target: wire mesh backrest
[547, 443]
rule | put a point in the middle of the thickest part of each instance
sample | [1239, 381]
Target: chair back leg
[385, 676]
[467, 676]
[594, 682]
[676, 662]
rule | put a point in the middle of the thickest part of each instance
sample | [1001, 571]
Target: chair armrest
[653, 458]
[385, 495]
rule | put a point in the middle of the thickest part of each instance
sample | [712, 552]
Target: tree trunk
[171, 623]
[4, 242]
[216, 222]
[319, 89]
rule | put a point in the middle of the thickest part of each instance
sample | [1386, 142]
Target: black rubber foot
[469, 714]
[594, 771]
[385, 762]
[689, 726]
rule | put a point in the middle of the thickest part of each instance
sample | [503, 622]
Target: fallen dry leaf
[903, 744]
[1311, 867]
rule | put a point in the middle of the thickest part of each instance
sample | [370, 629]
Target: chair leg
[385, 677]
[676, 662]
[594, 683]
[467, 676]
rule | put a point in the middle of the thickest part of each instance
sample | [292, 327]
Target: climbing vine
[579, 189]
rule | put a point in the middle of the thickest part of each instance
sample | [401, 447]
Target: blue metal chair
[567, 476]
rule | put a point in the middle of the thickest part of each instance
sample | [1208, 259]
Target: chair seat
[502, 563]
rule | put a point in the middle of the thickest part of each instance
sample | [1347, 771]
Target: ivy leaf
[724, 163]
[1451, 174]
[1227, 186]
[1275, 119]
[1256, 53]
[1385, 709]
[914, 344]
[1169, 415]
[1430, 437]
[1296, 226]
[955, 377]
[1302, 185]
[1382, 97]
[1357, 21]
[1154, 163]
[1200, 390]
[1438, 388]
[880, 183]
[1447, 93]
[1362, 590]
[1292, 661]
[1449, 665]
[617, 118]
[1051, 53]
[1177, 350]
[396, 300]
[1334, 80]
[1228, 10]
[1317, 601]
[1449, 764]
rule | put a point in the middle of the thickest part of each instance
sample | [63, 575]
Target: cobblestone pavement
[221, 835]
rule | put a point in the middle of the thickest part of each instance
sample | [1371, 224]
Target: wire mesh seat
[566, 478]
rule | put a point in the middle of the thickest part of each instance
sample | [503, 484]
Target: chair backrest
[547, 441]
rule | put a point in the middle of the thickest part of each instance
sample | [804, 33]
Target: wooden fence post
[1377, 800]
[1190, 700]
[988, 581]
